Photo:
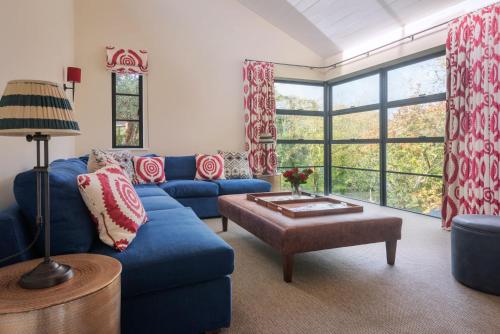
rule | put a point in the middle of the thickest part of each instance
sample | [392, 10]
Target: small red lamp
[73, 74]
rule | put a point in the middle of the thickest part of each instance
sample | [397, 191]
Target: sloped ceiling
[329, 27]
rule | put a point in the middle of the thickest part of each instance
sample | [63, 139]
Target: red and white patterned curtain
[126, 60]
[472, 147]
[260, 115]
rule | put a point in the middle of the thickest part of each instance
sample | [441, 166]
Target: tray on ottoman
[308, 205]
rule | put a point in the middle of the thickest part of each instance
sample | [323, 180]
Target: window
[300, 127]
[415, 135]
[127, 107]
[355, 138]
[355, 93]
[379, 138]
[387, 133]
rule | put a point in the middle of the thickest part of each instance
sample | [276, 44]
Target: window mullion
[383, 137]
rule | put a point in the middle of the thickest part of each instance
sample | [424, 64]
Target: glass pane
[127, 134]
[362, 185]
[356, 93]
[300, 155]
[423, 78]
[418, 120]
[127, 107]
[416, 193]
[315, 182]
[421, 158]
[360, 125]
[298, 97]
[299, 127]
[127, 83]
[356, 155]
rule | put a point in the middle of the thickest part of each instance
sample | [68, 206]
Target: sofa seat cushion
[173, 249]
[242, 186]
[146, 190]
[154, 198]
[190, 188]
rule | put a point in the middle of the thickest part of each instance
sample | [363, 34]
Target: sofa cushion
[174, 248]
[72, 230]
[153, 198]
[209, 167]
[242, 186]
[190, 188]
[146, 190]
[236, 165]
[180, 168]
[149, 170]
[113, 204]
[100, 158]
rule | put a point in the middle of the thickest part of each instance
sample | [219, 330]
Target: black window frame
[313, 113]
[382, 108]
[140, 95]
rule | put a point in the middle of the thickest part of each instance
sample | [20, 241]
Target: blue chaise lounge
[176, 272]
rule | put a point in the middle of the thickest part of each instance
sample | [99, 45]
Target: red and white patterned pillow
[149, 170]
[113, 204]
[209, 167]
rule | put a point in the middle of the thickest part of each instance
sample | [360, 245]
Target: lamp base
[47, 274]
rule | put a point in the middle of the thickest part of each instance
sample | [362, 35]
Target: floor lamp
[38, 110]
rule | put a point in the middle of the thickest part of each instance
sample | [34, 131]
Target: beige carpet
[353, 290]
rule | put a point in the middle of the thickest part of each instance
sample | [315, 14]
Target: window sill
[129, 149]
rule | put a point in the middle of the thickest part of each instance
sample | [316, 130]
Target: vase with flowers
[297, 177]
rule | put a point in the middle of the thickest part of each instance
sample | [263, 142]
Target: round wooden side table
[87, 303]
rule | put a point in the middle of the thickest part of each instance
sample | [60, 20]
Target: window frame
[140, 95]
[312, 113]
[382, 108]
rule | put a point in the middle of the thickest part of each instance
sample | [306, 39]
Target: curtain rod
[366, 53]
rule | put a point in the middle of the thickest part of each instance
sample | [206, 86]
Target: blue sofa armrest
[14, 236]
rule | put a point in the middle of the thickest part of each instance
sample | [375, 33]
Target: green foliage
[127, 110]
[418, 193]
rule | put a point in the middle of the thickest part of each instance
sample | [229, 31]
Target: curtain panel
[260, 115]
[126, 61]
[472, 147]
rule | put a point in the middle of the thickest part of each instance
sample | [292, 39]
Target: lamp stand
[49, 272]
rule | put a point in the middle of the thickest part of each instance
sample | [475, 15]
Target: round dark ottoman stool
[475, 252]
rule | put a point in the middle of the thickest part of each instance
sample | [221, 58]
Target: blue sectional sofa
[175, 276]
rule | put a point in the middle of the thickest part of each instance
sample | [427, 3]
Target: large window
[379, 134]
[127, 102]
[415, 135]
[300, 124]
[355, 138]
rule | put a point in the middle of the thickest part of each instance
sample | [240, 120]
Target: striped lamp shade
[31, 106]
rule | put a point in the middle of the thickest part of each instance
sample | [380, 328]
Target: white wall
[196, 49]
[37, 42]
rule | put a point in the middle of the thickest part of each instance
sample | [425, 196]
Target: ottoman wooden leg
[390, 248]
[287, 267]
[224, 224]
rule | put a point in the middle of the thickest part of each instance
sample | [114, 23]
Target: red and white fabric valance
[126, 60]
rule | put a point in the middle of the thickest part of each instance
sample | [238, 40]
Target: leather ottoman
[290, 236]
[475, 252]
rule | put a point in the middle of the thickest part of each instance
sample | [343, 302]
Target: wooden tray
[308, 205]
